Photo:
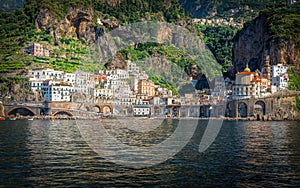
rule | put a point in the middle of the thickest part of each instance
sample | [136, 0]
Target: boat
[30, 119]
[14, 118]
[2, 118]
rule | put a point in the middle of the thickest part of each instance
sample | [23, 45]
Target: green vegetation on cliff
[284, 23]
[298, 102]
[294, 79]
[18, 30]
[127, 11]
[15, 29]
[170, 53]
[219, 41]
[17, 85]
[169, 77]
[130, 11]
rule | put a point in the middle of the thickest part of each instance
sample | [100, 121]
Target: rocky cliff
[79, 22]
[271, 33]
[87, 20]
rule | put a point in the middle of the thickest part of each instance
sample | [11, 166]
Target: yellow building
[243, 85]
[146, 87]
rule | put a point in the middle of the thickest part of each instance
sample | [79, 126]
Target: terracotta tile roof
[48, 80]
[256, 80]
[261, 77]
[101, 77]
[245, 72]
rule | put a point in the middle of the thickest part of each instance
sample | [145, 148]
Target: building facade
[38, 50]
[56, 92]
[279, 76]
[146, 87]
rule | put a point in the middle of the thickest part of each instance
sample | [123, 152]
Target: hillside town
[129, 86]
[132, 87]
[218, 22]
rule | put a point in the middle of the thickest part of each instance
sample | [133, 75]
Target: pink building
[38, 50]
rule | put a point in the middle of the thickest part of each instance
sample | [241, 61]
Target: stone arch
[63, 112]
[242, 109]
[106, 109]
[260, 107]
[97, 108]
[22, 110]
[229, 111]
[79, 97]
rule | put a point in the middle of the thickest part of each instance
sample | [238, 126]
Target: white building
[44, 74]
[36, 77]
[127, 101]
[219, 91]
[132, 68]
[280, 81]
[116, 74]
[69, 78]
[141, 108]
[35, 84]
[277, 70]
[279, 76]
[219, 83]
[163, 92]
[122, 74]
[84, 82]
[121, 94]
[56, 92]
[134, 80]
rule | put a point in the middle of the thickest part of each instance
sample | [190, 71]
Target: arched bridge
[20, 110]
[63, 113]
[249, 107]
[56, 109]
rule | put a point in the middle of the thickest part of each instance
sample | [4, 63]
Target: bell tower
[266, 70]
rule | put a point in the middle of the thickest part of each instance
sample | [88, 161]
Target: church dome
[247, 69]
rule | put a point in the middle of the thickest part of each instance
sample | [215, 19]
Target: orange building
[146, 87]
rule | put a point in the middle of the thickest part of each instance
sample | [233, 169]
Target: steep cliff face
[78, 22]
[84, 20]
[256, 40]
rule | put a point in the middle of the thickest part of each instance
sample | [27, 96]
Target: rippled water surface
[244, 154]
